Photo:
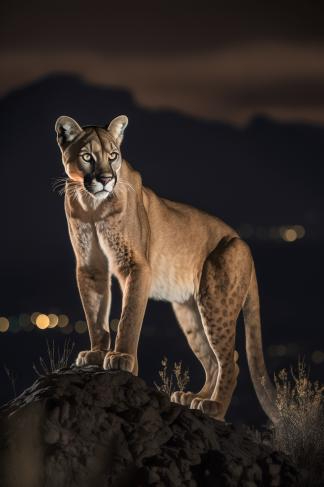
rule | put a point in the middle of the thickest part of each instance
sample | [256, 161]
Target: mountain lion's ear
[117, 128]
[67, 130]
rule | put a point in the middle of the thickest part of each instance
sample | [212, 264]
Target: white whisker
[122, 181]
[58, 185]
[127, 183]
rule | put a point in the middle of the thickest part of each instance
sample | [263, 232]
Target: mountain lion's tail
[263, 386]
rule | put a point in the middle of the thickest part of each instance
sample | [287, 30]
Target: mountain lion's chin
[100, 195]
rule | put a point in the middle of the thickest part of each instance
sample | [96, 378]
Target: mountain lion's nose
[103, 179]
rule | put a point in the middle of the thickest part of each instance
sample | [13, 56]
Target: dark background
[228, 99]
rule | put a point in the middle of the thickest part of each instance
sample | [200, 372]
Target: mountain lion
[157, 249]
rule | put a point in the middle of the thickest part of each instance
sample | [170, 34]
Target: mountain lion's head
[91, 155]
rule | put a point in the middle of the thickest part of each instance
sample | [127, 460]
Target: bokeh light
[289, 235]
[4, 324]
[300, 230]
[274, 233]
[42, 321]
[24, 320]
[318, 357]
[53, 320]
[34, 316]
[67, 329]
[292, 233]
[277, 350]
[292, 349]
[80, 326]
[29, 327]
[14, 326]
[262, 233]
[63, 321]
[246, 230]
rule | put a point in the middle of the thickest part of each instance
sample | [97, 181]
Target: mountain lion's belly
[174, 278]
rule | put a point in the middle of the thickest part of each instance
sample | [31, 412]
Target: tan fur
[163, 250]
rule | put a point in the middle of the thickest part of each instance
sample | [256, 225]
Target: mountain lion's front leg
[135, 295]
[94, 286]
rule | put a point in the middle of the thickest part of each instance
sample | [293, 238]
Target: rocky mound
[85, 427]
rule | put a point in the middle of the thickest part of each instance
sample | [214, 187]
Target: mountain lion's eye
[87, 157]
[113, 156]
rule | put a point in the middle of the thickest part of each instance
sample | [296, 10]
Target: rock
[86, 427]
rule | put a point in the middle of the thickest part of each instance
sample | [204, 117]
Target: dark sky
[224, 59]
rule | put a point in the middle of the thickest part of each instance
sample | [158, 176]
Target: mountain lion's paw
[209, 407]
[120, 361]
[91, 357]
[184, 398]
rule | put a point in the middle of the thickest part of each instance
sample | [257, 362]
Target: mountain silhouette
[266, 173]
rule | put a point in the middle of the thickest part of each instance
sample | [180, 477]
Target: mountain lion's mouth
[101, 194]
[97, 188]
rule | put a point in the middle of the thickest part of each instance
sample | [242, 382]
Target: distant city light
[80, 326]
[53, 320]
[262, 233]
[292, 349]
[4, 324]
[67, 329]
[300, 230]
[277, 350]
[289, 234]
[246, 230]
[292, 233]
[14, 326]
[63, 321]
[29, 327]
[42, 321]
[34, 316]
[24, 320]
[318, 357]
[274, 233]
[281, 350]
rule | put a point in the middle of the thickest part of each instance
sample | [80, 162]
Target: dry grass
[56, 358]
[177, 379]
[300, 431]
[12, 377]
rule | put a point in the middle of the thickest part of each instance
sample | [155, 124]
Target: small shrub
[177, 379]
[299, 432]
[182, 376]
[57, 359]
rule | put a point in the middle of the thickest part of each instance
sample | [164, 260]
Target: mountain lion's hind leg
[189, 319]
[223, 287]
